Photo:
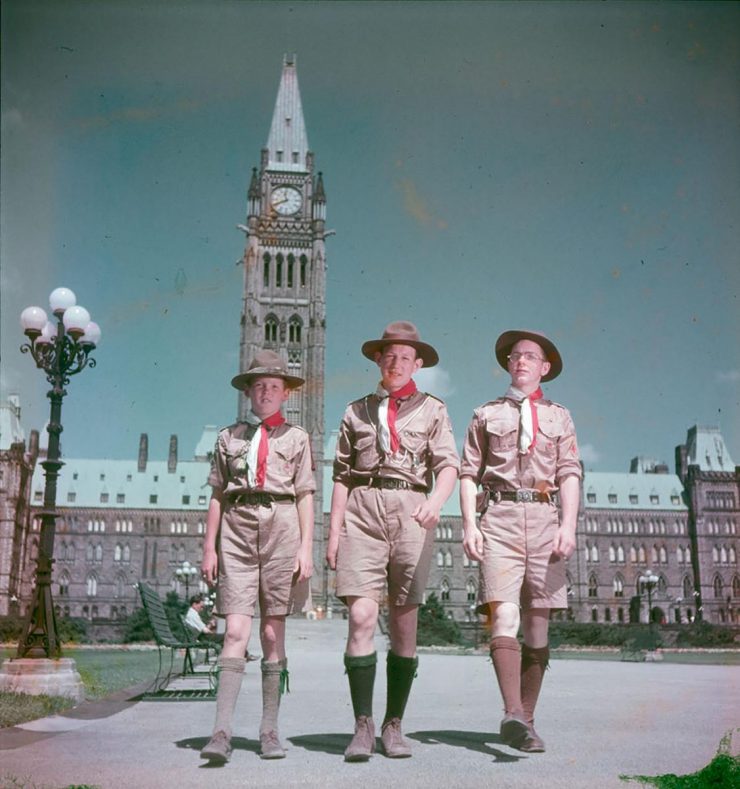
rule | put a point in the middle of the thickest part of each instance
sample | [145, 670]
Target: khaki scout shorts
[257, 552]
[380, 542]
[518, 565]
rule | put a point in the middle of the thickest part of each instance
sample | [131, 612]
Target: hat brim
[243, 380]
[429, 357]
[509, 339]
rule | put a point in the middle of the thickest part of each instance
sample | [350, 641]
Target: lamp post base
[42, 675]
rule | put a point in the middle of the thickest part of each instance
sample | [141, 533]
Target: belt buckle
[524, 495]
[496, 496]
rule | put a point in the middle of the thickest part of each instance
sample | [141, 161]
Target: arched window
[117, 553]
[715, 554]
[663, 555]
[633, 554]
[688, 588]
[304, 264]
[736, 586]
[662, 584]
[271, 329]
[612, 553]
[440, 558]
[723, 555]
[90, 552]
[70, 552]
[620, 554]
[266, 270]
[717, 586]
[291, 268]
[444, 590]
[448, 531]
[679, 554]
[733, 555]
[607, 615]
[120, 585]
[98, 553]
[448, 559]
[294, 330]
[471, 590]
[126, 553]
[92, 585]
[64, 580]
[593, 586]
[279, 270]
[594, 553]
[181, 553]
[466, 561]
[641, 555]
[654, 554]
[618, 586]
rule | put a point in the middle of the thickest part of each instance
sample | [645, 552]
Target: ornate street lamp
[649, 581]
[60, 350]
[186, 572]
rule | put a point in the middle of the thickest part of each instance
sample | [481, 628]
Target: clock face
[286, 200]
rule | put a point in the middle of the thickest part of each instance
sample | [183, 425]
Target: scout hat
[403, 333]
[509, 339]
[265, 363]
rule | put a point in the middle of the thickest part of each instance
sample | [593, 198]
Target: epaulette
[434, 397]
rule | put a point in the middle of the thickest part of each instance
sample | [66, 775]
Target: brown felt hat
[509, 339]
[265, 363]
[402, 333]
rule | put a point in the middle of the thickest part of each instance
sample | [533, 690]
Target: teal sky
[568, 167]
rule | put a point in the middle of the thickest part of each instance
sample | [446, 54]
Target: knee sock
[507, 661]
[400, 672]
[534, 664]
[274, 681]
[230, 674]
[361, 674]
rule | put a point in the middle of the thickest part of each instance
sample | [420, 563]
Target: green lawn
[103, 671]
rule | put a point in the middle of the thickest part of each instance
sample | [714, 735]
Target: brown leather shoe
[531, 742]
[513, 728]
[270, 746]
[362, 746]
[395, 745]
[218, 749]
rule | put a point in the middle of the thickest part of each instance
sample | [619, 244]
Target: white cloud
[588, 453]
[435, 380]
[728, 376]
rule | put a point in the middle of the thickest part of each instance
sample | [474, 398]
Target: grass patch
[103, 671]
[18, 708]
[723, 771]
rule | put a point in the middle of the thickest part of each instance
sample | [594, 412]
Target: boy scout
[391, 446]
[521, 449]
[258, 543]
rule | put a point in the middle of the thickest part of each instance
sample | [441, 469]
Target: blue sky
[569, 167]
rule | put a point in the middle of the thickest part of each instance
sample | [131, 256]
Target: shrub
[137, 624]
[705, 634]
[435, 629]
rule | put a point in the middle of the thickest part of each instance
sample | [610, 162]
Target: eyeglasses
[528, 355]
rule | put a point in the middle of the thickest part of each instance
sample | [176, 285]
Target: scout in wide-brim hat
[402, 333]
[509, 339]
[266, 363]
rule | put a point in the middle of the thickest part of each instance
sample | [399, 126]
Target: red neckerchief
[275, 420]
[393, 398]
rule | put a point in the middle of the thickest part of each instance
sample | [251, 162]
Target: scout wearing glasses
[521, 449]
[258, 543]
[392, 444]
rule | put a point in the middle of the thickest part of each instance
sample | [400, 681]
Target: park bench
[166, 640]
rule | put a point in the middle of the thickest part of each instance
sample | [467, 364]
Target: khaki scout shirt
[491, 456]
[425, 435]
[289, 464]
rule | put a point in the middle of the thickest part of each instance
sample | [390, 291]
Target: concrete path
[600, 720]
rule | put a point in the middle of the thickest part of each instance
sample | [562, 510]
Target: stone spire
[287, 144]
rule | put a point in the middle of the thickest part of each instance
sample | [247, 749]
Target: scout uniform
[380, 542]
[258, 541]
[519, 450]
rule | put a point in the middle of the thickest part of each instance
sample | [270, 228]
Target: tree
[435, 629]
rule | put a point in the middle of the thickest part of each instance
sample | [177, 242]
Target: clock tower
[284, 301]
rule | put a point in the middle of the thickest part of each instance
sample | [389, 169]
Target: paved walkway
[599, 719]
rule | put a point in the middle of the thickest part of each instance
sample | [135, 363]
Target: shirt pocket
[501, 435]
[236, 456]
[551, 430]
[285, 460]
[366, 453]
[414, 442]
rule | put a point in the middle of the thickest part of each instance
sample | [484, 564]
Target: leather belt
[260, 498]
[389, 483]
[521, 495]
